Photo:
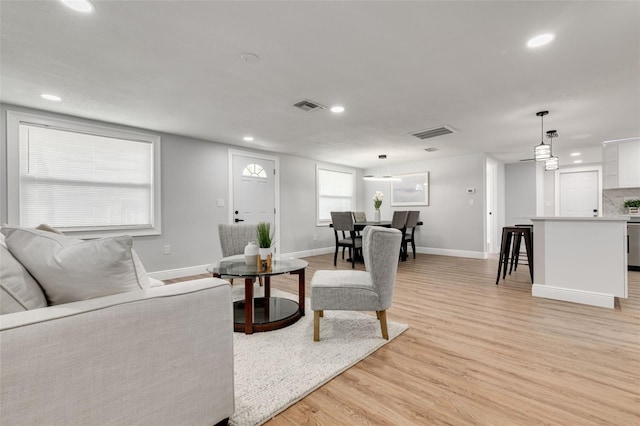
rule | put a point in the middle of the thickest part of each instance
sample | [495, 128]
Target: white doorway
[578, 192]
[491, 211]
[254, 189]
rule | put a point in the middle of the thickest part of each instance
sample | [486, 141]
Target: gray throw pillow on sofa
[18, 290]
[70, 269]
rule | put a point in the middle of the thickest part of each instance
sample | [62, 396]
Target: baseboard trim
[576, 296]
[307, 253]
[201, 269]
[451, 252]
[170, 274]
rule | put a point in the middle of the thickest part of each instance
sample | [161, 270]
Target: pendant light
[543, 151]
[388, 177]
[551, 163]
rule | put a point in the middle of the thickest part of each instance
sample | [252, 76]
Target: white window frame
[331, 168]
[14, 119]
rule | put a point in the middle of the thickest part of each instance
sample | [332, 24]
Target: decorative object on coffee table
[264, 242]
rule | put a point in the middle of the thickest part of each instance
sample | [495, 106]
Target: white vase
[251, 253]
[376, 215]
[264, 252]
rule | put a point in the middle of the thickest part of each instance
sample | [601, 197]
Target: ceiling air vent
[432, 133]
[307, 105]
[431, 149]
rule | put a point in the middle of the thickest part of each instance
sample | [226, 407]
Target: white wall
[194, 175]
[520, 192]
[451, 225]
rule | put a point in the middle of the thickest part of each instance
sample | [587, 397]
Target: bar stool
[511, 238]
[517, 244]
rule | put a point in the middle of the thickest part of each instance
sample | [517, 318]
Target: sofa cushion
[70, 269]
[18, 290]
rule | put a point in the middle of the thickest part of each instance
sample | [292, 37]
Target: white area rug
[275, 369]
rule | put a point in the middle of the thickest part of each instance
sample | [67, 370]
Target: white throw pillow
[18, 290]
[70, 269]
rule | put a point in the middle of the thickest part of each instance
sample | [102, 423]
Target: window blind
[335, 193]
[78, 180]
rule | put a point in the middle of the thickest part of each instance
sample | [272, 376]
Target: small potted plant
[265, 239]
[633, 205]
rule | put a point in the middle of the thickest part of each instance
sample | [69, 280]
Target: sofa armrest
[163, 355]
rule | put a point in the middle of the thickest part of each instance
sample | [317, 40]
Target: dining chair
[359, 217]
[343, 224]
[369, 290]
[399, 222]
[412, 223]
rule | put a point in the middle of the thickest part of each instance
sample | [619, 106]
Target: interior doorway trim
[276, 162]
[587, 168]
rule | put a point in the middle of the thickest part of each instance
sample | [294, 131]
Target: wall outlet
[315, 237]
[167, 249]
[220, 202]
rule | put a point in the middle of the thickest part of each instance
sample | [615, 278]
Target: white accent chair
[370, 290]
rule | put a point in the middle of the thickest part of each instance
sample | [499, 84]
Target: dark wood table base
[267, 313]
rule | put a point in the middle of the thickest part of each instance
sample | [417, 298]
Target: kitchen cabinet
[621, 164]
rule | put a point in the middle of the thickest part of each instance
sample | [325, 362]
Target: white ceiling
[397, 67]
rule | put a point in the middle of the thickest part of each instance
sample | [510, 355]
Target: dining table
[359, 226]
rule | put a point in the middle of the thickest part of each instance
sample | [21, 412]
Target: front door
[579, 194]
[253, 189]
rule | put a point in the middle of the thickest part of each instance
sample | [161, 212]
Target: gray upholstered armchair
[234, 238]
[370, 290]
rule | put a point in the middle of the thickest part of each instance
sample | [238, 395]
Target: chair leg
[413, 247]
[383, 323]
[321, 313]
[316, 325]
[231, 281]
[352, 253]
[335, 256]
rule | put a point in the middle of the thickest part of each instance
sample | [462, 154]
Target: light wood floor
[477, 353]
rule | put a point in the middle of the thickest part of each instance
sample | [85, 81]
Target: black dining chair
[399, 222]
[343, 225]
[412, 223]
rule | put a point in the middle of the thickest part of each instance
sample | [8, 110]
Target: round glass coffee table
[262, 313]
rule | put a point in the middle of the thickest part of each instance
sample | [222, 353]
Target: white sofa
[155, 356]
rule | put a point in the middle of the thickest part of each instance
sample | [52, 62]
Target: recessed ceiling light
[541, 40]
[575, 154]
[337, 108]
[248, 138]
[50, 97]
[84, 6]
[577, 162]
[250, 57]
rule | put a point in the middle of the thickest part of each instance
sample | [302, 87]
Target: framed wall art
[411, 190]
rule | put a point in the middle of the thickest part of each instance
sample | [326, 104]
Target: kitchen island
[580, 259]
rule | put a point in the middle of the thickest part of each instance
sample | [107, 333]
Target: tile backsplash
[613, 200]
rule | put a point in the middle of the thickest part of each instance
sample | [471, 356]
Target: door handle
[236, 220]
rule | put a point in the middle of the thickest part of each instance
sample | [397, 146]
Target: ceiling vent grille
[307, 105]
[432, 133]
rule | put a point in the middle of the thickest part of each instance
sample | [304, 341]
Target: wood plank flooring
[477, 353]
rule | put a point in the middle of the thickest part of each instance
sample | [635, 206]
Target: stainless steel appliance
[633, 230]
